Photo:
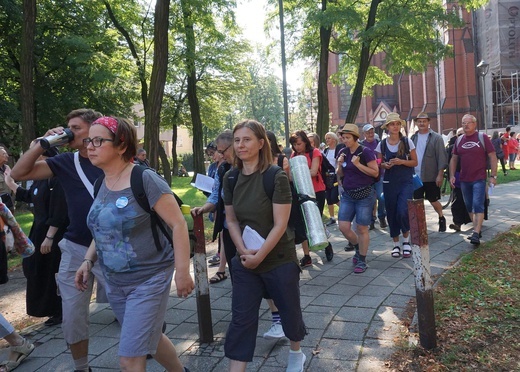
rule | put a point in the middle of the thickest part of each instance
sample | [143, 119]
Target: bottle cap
[186, 209]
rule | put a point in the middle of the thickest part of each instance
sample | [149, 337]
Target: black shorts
[332, 195]
[429, 191]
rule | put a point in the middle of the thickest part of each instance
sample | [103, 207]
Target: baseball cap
[367, 127]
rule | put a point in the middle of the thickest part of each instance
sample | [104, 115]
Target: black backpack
[136, 184]
[296, 217]
[326, 169]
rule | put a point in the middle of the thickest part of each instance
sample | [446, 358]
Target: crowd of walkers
[108, 233]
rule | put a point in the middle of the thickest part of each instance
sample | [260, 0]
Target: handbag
[417, 183]
[360, 192]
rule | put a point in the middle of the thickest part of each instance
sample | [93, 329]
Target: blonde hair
[333, 136]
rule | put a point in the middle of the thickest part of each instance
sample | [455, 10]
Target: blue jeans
[474, 194]
[381, 212]
[361, 209]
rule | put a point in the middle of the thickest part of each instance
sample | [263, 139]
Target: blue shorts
[474, 194]
[140, 310]
[361, 209]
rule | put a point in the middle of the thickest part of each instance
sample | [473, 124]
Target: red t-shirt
[505, 144]
[317, 181]
[473, 157]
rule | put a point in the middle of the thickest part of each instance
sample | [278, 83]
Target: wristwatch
[495, 177]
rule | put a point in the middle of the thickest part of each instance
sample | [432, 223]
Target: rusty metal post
[423, 280]
[201, 282]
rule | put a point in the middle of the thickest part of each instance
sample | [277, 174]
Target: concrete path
[352, 319]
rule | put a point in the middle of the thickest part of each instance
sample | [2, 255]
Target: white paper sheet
[203, 183]
[252, 239]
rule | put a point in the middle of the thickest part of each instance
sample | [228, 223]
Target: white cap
[367, 127]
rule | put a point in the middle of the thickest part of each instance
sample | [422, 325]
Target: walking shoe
[361, 267]
[331, 221]
[306, 261]
[475, 239]
[296, 362]
[372, 226]
[470, 236]
[275, 332]
[454, 226]
[382, 223]
[350, 247]
[442, 224]
[215, 260]
[329, 253]
[53, 320]
[355, 259]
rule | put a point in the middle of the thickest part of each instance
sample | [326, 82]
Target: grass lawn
[477, 314]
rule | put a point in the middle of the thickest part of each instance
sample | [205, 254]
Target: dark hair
[87, 115]
[300, 134]
[512, 134]
[126, 137]
[265, 158]
[495, 135]
[275, 149]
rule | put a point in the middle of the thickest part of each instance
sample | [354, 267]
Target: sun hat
[367, 127]
[350, 129]
[423, 115]
[393, 116]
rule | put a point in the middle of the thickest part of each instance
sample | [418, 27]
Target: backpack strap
[267, 178]
[136, 184]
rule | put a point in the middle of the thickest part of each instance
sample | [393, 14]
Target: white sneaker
[296, 362]
[275, 332]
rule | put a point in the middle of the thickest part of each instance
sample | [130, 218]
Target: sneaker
[442, 224]
[382, 223]
[372, 226]
[361, 267]
[53, 320]
[355, 259]
[350, 247]
[306, 261]
[470, 236]
[296, 362]
[454, 226]
[329, 253]
[475, 239]
[331, 221]
[275, 332]
[215, 260]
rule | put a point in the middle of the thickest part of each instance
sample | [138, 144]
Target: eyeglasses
[221, 152]
[96, 141]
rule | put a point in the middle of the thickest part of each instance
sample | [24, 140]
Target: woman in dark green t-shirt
[267, 263]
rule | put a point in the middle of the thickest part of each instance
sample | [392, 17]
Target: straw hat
[393, 116]
[422, 115]
[350, 129]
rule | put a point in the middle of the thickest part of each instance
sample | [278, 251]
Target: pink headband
[108, 122]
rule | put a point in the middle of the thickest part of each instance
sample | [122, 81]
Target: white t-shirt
[421, 147]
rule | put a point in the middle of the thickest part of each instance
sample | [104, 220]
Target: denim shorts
[361, 209]
[474, 195]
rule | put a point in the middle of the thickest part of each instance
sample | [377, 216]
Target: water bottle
[56, 140]
[490, 189]
[186, 212]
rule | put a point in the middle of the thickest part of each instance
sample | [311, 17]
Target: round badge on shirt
[122, 202]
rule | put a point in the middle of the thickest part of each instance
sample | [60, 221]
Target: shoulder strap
[406, 145]
[232, 177]
[268, 179]
[136, 184]
[82, 176]
[383, 148]
[97, 184]
[481, 139]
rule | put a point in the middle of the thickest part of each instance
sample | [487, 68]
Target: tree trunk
[157, 82]
[175, 163]
[198, 156]
[364, 63]
[27, 73]
[322, 123]
[167, 171]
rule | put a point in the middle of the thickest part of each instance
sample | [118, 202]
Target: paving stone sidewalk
[352, 319]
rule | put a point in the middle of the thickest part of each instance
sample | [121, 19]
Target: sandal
[407, 252]
[23, 352]
[396, 252]
[218, 277]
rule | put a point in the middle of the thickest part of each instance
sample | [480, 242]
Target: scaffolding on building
[506, 100]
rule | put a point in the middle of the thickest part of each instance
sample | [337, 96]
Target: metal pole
[284, 75]
[484, 109]
[201, 282]
[423, 280]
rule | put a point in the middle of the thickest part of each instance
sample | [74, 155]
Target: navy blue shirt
[78, 198]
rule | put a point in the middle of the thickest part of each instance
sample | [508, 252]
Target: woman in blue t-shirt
[358, 168]
[138, 274]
